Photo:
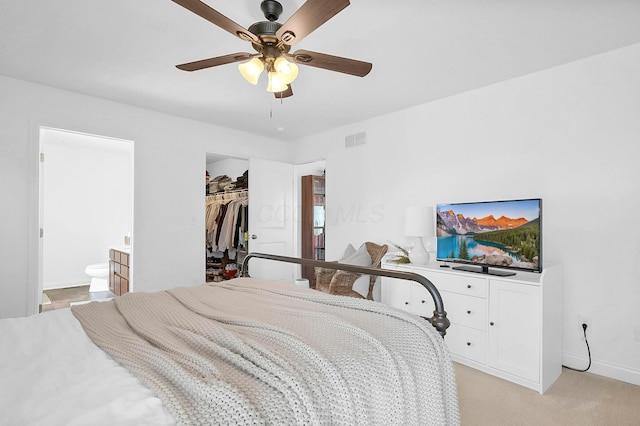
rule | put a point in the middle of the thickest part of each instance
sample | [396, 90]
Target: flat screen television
[491, 237]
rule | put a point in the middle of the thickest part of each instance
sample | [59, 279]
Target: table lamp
[418, 223]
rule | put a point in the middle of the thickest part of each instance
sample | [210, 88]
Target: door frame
[36, 272]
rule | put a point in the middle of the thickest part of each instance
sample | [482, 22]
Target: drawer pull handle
[424, 301]
[406, 303]
[469, 312]
[468, 285]
[492, 323]
[468, 343]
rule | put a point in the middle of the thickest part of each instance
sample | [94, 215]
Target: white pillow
[359, 258]
[349, 251]
[361, 285]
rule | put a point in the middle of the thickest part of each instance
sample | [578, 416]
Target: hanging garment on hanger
[212, 209]
[241, 227]
[221, 219]
[229, 225]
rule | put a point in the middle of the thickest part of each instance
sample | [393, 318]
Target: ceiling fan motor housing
[266, 32]
[265, 28]
[271, 9]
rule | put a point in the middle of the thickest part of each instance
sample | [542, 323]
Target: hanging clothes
[226, 221]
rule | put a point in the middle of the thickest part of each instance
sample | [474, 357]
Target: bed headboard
[439, 319]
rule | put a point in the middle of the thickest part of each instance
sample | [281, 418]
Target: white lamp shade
[287, 71]
[418, 221]
[275, 85]
[251, 70]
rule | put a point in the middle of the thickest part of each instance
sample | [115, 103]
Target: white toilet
[99, 273]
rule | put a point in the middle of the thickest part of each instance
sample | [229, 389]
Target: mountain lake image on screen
[497, 234]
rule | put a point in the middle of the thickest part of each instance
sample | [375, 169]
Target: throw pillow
[348, 252]
[343, 282]
[359, 258]
[361, 285]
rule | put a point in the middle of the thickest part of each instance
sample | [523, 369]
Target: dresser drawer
[455, 283]
[467, 342]
[396, 292]
[422, 302]
[465, 310]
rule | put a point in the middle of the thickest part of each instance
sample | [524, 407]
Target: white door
[271, 217]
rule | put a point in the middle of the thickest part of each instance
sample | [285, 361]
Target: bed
[246, 351]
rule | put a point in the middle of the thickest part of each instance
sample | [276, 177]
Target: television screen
[498, 234]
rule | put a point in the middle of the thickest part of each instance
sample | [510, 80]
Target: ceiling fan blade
[217, 18]
[281, 95]
[332, 63]
[214, 62]
[308, 18]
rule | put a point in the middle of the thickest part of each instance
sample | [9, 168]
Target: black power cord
[584, 330]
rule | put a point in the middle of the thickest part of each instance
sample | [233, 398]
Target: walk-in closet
[226, 217]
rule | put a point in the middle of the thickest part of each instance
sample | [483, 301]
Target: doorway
[271, 211]
[227, 198]
[85, 207]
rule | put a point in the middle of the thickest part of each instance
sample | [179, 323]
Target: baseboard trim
[605, 369]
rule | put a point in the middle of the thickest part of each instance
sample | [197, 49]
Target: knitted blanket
[258, 352]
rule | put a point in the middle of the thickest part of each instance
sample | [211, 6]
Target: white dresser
[510, 327]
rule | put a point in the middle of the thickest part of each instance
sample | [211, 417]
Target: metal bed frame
[439, 319]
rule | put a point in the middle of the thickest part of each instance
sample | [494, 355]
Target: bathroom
[86, 208]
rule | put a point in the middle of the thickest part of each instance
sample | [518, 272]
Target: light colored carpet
[580, 399]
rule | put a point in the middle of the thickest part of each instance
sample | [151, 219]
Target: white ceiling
[421, 50]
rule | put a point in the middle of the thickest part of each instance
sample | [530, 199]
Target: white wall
[169, 164]
[568, 135]
[87, 195]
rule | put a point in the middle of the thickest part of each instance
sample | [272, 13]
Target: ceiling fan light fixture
[275, 84]
[272, 41]
[251, 70]
[287, 71]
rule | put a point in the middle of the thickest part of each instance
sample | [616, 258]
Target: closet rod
[234, 194]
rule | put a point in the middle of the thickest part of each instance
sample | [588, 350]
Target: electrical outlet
[583, 320]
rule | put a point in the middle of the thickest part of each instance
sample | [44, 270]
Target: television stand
[510, 327]
[482, 269]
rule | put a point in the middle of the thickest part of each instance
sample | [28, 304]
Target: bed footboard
[439, 319]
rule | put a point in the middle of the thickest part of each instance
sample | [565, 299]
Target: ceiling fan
[272, 41]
